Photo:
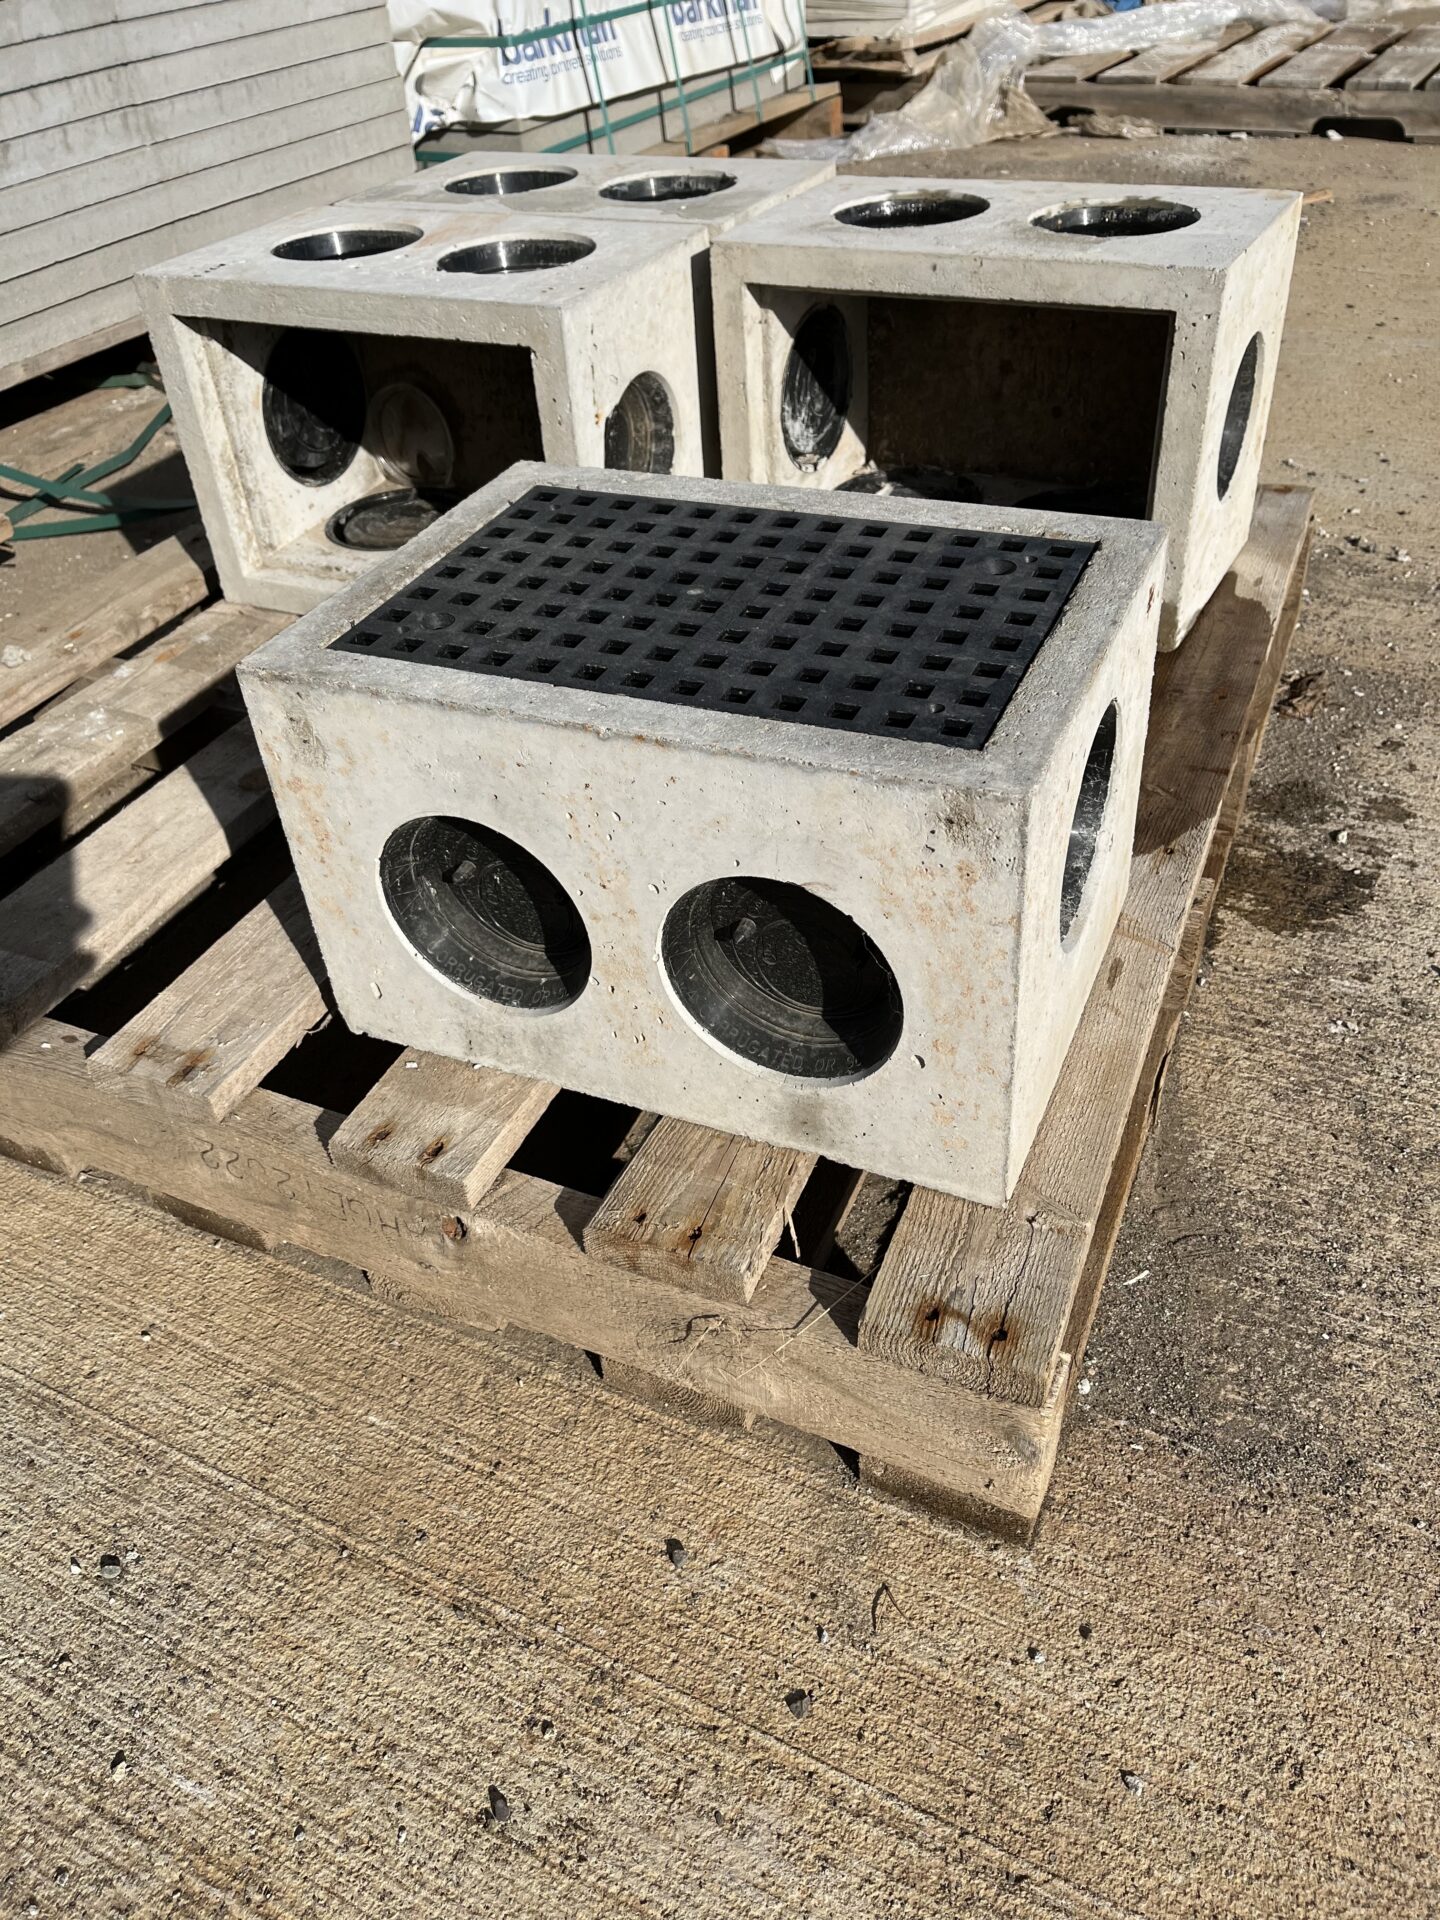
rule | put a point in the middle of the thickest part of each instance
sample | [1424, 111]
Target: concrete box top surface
[712, 195]
[1013, 758]
[1190, 230]
[252, 270]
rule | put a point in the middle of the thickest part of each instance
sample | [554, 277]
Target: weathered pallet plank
[701, 1209]
[1185, 107]
[212, 1035]
[440, 1129]
[71, 922]
[53, 768]
[53, 649]
[1408, 62]
[1243, 63]
[1325, 63]
[983, 1295]
[1167, 58]
[1078, 66]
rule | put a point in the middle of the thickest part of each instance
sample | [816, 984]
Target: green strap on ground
[75, 487]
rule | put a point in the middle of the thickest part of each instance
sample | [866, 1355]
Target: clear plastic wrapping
[963, 101]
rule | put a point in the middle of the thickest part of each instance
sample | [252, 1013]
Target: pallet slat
[701, 1209]
[53, 649]
[212, 1035]
[1171, 57]
[1240, 65]
[983, 1294]
[77, 749]
[1325, 63]
[1078, 66]
[1409, 62]
[440, 1129]
[72, 921]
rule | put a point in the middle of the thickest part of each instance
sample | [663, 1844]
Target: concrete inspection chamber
[341, 377]
[709, 195]
[798, 815]
[1043, 343]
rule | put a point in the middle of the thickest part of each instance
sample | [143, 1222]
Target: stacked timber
[133, 130]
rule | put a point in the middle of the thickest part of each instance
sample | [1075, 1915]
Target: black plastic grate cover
[923, 632]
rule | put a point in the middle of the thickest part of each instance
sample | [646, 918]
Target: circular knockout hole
[640, 430]
[485, 913]
[815, 390]
[1237, 416]
[778, 976]
[1089, 813]
[345, 243]
[913, 210]
[381, 522]
[1118, 219]
[523, 255]
[511, 180]
[313, 405]
[667, 186]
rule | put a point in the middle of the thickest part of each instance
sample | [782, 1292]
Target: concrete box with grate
[340, 378]
[1049, 344]
[803, 817]
[710, 196]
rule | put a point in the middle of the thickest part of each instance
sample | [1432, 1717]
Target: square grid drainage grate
[920, 632]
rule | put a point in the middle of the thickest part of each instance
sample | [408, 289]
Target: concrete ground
[312, 1608]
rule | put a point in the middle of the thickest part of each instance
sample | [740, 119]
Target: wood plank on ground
[1167, 58]
[1078, 66]
[1409, 62]
[983, 1294]
[74, 919]
[701, 1209]
[442, 1130]
[49, 651]
[1325, 63]
[1247, 60]
[51, 769]
[212, 1035]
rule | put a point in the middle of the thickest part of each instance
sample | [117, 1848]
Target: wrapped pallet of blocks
[1054, 344]
[131, 134]
[799, 816]
[617, 78]
[340, 378]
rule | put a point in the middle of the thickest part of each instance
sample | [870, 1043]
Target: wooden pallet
[164, 1021]
[1294, 79]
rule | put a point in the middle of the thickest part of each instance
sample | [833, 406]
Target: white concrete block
[1051, 343]
[371, 349]
[798, 815]
[713, 194]
[710, 195]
